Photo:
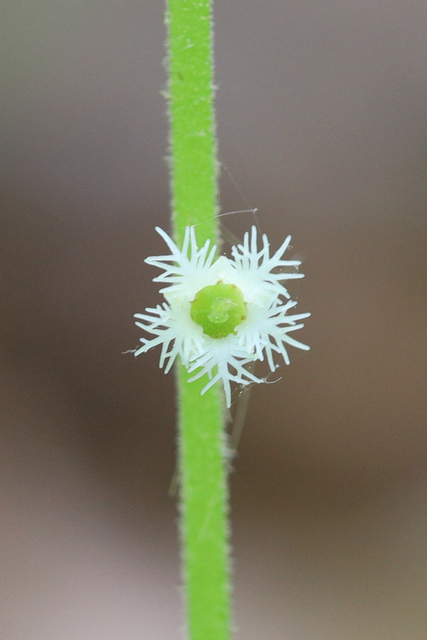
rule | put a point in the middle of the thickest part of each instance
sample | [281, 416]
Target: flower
[221, 314]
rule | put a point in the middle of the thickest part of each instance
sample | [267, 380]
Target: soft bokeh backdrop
[322, 121]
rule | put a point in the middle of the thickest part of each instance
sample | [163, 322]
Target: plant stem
[203, 489]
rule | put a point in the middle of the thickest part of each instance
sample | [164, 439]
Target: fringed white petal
[264, 334]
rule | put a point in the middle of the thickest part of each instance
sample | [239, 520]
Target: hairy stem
[203, 480]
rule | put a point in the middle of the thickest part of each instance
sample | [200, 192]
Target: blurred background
[322, 122]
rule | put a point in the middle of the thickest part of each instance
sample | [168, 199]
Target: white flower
[220, 314]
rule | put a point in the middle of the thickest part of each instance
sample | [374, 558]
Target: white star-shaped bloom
[220, 314]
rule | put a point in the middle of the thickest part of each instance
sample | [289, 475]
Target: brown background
[322, 125]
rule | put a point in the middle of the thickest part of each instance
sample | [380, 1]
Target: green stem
[203, 491]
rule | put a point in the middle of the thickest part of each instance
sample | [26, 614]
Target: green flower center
[219, 309]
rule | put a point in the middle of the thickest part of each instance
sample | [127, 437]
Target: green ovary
[219, 309]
